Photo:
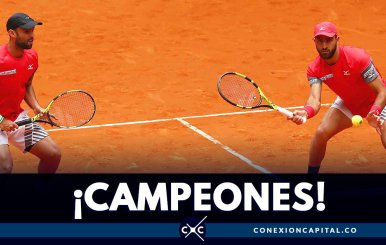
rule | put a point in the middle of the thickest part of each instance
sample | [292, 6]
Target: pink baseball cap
[325, 29]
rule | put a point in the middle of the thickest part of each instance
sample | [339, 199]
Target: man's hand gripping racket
[241, 91]
[70, 109]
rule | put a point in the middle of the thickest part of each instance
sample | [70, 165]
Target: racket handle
[288, 113]
[23, 122]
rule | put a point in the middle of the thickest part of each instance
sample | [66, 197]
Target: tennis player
[18, 64]
[352, 75]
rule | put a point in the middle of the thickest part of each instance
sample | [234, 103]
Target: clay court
[152, 67]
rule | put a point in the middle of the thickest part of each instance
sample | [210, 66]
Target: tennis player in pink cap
[352, 75]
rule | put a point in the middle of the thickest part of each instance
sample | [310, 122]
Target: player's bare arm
[312, 105]
[380, 102]
[30, 97]
[380, 89]
[8, 125]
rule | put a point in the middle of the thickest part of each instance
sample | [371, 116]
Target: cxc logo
[192, 225]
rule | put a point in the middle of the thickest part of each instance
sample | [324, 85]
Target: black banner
[51, 198]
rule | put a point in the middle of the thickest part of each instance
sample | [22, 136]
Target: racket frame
[262, 96]
[47, 109]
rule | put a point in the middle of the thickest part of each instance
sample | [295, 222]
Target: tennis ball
[356, 120]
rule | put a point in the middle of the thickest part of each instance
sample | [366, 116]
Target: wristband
[1, 118]
[376, 110]
[310, 111]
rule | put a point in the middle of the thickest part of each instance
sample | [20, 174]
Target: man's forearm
[30, 98]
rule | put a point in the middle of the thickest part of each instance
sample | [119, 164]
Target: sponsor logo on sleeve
[5, 73]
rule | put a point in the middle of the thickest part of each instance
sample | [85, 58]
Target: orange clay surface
[160, 59]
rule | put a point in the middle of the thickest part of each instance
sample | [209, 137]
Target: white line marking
[113, 124]
[228, 149]
[172, 119]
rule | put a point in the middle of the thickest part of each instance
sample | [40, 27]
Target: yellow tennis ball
[356, 120]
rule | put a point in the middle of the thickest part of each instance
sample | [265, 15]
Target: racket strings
[239, 91]
[72, 109]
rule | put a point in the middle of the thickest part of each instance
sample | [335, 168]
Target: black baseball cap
[21, 20]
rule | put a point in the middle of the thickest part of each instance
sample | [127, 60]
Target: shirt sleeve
[364, 63]
[369, 74]
[311, 76]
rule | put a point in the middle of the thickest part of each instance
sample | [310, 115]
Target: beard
[327, 55]
[24, 44]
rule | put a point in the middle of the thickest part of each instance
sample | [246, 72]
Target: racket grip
[23, 122]
[289, 114]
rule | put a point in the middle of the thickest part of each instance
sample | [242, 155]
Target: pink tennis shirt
[348, 78]
[14, 74]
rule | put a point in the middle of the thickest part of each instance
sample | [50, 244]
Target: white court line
[171, 119]
[113, 124]
[195, 129]
[228, 149]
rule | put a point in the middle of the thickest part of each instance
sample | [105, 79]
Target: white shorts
[25, 136]
[339, 104]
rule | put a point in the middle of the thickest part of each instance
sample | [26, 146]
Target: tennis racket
[241, 91]
[70, 109]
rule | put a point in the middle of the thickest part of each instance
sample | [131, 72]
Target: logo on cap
[325, 29]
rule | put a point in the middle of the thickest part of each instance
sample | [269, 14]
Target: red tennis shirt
[14, 74]
[348, 78]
